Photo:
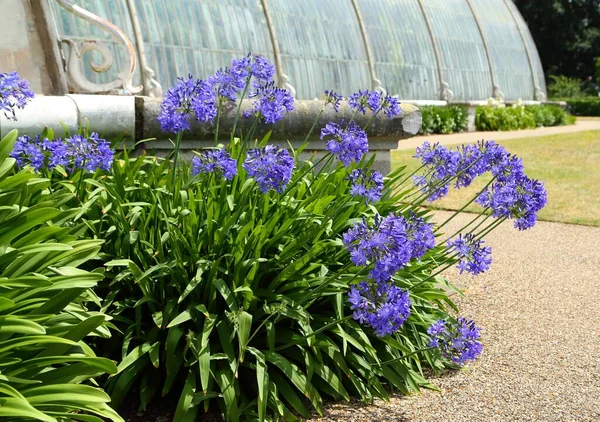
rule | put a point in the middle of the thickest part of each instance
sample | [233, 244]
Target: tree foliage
[566, 32]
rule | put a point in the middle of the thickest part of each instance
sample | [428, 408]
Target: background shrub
[564, 87]
[588, 106]
[44, 361]
[489, 118]
[446, 119]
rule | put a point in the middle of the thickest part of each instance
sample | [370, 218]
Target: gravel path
[539, 308]
[583, 124]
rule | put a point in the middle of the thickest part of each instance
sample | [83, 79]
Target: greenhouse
[452, 50]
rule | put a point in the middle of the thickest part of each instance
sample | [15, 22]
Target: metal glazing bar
[75, 77]
[151, 86]
[282, 78]
[538, 94]
[375, 82]
[446, 93]
[496, 91]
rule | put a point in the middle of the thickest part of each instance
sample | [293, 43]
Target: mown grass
[569, 164]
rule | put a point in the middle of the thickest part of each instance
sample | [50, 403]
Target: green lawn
[569, 164]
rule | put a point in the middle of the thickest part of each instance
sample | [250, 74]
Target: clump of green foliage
[490, 118]
[445, 119]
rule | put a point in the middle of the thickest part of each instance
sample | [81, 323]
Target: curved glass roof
[410, 48]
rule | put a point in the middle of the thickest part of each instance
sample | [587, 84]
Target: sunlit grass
[569, 164]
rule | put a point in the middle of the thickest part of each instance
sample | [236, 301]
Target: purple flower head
[91, 153]
[228, 82]
[14, 93]
[458, 342]
[520, 199]
[262, 70]
[374, 101]
[271, 103]
[472, 256]
[384, 307]
[271, 167]
[420, 235]
[384, 245]
[359, 101]
[334, 99]
[215, 160]
[60, 154]
[349, 144]
[390, 106]
[188, 96]
[441, 164]
[29, 151]
[368, 185]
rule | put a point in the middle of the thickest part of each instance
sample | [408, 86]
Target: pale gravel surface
[539, 308]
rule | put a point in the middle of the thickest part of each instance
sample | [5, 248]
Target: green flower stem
[218, 121]
[467, 204]
[371, 119]
[387, 362]
[309, 168]
[239, 107]
[471, 222]
[433, 275]
[176, 154]
[314, 123]
[489, 228]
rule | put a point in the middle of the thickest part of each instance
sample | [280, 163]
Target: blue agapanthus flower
[363, 100]
[14, 93]
[520, 199]
[440, 165]
[390, 106]
[367, 184]
[29, 151]
[76, 152]
[271, 103]
[271, 167]
[262, 70]
[382, 306]
[384, 245]
[472, 256]
[90, 154]
[334, 99]
[188, 97]
[348, 144]
[458, 342]
[213, 161]
[420, 235]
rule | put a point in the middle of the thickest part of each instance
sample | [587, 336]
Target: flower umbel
[367, 184]
[213, 161]
[271, 103]
[473, 257]
[458, 342]
[349, 144]
[271, 167]
[384, 245]
[14, 93]
[188, 96]
[334, 99]
[384, 307]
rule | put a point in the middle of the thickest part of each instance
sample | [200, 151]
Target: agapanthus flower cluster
[420, 235]
[188, 97]
[366, 184]
[215, 161]
[334, 99]
[77, 152]
[512, 194]
[271, 103]
[520, 199]
[472, 256]
[390, 106]
[458, 342]
[271, 167]
[382, 306]
[363, 100]
[14, 93]
[228, 82]
[388, 245]
[349, 144]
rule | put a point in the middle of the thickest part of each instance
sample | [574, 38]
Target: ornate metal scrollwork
[77, 48]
